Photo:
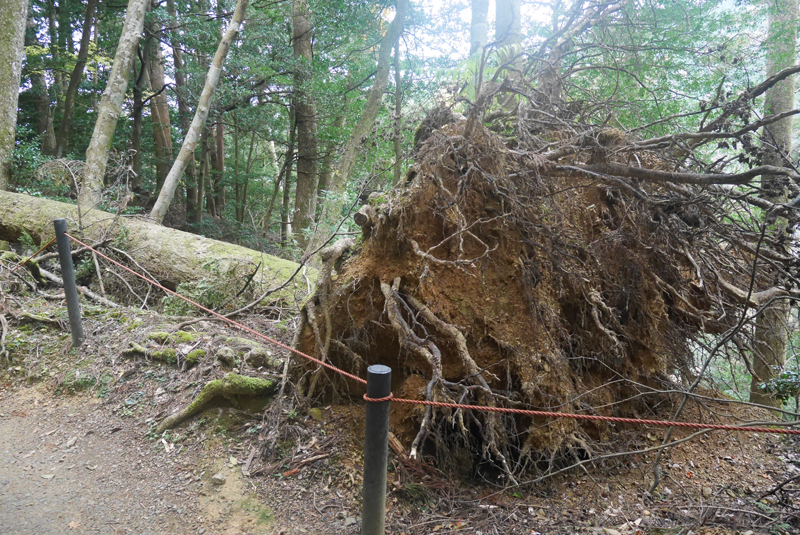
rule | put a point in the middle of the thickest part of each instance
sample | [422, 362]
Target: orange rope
[574, 416]
[524, 412]
[31, 256]
[223, 318]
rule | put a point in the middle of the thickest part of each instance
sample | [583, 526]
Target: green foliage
[77, 381]
[785, 386]
[26, 241]
[209, 293]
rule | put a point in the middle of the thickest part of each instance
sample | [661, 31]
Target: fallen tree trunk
[170, 255]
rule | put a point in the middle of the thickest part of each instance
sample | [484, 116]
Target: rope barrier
[33, 255]
[615, 419]
[390, 397]
[223, 318]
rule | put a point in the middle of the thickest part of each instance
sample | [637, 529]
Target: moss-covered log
[230, 385]
[170, 255]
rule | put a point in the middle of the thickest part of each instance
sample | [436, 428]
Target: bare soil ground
[77, 455]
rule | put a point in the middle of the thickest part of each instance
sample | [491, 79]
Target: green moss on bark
[230, 385]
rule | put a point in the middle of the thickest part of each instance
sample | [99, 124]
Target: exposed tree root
[437, 384]
[329, 257]
[4, 355]
[230, 385]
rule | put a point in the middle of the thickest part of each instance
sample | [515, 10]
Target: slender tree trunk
[334, 205]
[136, 130]
[203, 106]
[211, 179]
[772, 329]
[236, 185]
[64, 27]
[219, 169]
[271, 207]
[44, 115]
[184, 117]
[13, 17]
[55, 53]
[159, 107]
[75, 80]
[111, 105]
[277, 184]
[305, 106]
[398, 114]
[242, 183]
[286, 225]
[479, 28]
[205, 169]
[329, 160]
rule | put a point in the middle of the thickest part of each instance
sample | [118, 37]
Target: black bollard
[68, 274]
[376, 450]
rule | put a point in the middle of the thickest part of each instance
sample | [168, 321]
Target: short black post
[68, 274]
[376, 450]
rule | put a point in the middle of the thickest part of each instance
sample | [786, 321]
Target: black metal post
[376, 450]
[68, 274]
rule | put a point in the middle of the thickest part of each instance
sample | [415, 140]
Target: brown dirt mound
[490, 279]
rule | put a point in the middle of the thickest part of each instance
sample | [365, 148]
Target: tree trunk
[203, 177]
[210, 179]
[334, 205]
[184, 118]
[136, 130]
[75, 80]
[13, 17]
[219, 169]
[111, 105]
[329, 160]
[286, 225]
[305, 106]
[170, 255]
[772, 331]
[479, 28]
[159, 107]
[203, 106]
[398, 114]
[508, 22]
[44, 115]
[55, 53]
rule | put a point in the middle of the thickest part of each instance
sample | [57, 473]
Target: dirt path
[69, 466]
[66, 467]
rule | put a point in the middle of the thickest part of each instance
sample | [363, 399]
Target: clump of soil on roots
[487, 279]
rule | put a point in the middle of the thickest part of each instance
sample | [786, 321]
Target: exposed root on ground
[228, 387]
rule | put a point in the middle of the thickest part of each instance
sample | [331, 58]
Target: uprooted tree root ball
[497, 278]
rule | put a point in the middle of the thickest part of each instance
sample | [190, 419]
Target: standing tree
[305, 108]
[111, 104]
[772, 331]
[186, 153]
[75, 80]
[479, 28]
[13, 15]
[333, 206]
[159, 107]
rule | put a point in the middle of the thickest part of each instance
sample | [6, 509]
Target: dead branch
[85, 291]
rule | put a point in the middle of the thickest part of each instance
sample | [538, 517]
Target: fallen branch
[85, 291]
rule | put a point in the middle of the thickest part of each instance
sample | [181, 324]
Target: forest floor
[78, 454]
